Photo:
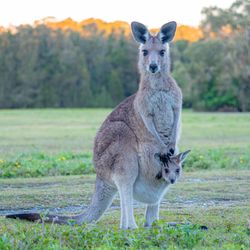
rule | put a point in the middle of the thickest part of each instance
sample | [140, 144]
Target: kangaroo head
[172, 167]
[154, 49]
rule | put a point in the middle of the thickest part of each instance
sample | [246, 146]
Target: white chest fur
[149, 192]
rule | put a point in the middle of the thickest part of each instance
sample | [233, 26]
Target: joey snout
[169, 176]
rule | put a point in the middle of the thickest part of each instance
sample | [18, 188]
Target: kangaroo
[135, 150]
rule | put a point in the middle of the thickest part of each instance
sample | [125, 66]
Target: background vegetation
[93, 64]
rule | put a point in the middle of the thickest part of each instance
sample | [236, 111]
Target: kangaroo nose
[153, 67]
[172, 181]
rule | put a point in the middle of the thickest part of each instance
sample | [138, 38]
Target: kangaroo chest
[149, 192]
[161, 107]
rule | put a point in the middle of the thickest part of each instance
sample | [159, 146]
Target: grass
[47, 144]
[68, 163]
[218, 199]
[73, 130]
[48, 130]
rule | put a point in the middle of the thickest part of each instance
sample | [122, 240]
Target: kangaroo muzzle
[153, 68]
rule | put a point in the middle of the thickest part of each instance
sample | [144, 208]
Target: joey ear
[140, 32]
[181, 157]
[167, 32]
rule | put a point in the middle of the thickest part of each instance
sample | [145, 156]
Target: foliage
[42, 67]
[94, 65]
[87, 237]
[41, 164]
[223, 22]
[214, 72]
[217, 159]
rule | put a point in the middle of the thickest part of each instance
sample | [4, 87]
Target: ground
[213, 191]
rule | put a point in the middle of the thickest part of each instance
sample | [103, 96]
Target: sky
[152, 13]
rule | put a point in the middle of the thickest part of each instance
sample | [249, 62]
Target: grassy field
[57, 130]
[214, 190]
[59, 142]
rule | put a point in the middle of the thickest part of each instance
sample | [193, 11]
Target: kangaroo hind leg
[126, 201]
[101, 200]
[124, 180]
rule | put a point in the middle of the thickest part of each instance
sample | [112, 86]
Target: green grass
[59, 142]
[48, 130]
[68, 163]
[73, 130]
[218, 199]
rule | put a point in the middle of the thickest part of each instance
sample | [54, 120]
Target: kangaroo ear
[167, 32]
[140, 32]
[181, 157]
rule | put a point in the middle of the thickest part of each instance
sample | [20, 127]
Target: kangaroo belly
[148, 192]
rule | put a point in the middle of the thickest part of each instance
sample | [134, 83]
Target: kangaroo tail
[101, 200]
[46, 218]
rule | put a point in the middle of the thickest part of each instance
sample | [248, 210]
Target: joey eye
[166, 171]
[162, 52]
[145, 52]
[177, 171]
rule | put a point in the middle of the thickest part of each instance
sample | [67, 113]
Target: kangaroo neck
[156, 81]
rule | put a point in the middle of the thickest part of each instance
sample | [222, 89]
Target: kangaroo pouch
[147, 188]
[149, 164]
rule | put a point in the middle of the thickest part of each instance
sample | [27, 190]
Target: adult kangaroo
[135, 150]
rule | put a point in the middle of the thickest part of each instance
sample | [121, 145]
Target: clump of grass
[217, 159]
[41, 164]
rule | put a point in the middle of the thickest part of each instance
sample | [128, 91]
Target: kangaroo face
[154, 50]
[171, 166]
[171, 171]
[153, 56]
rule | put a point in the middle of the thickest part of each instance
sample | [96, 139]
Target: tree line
[42, 66]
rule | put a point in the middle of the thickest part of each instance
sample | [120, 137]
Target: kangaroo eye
[162, 52]
[177, 171]
[145, 52]
[166, 171]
